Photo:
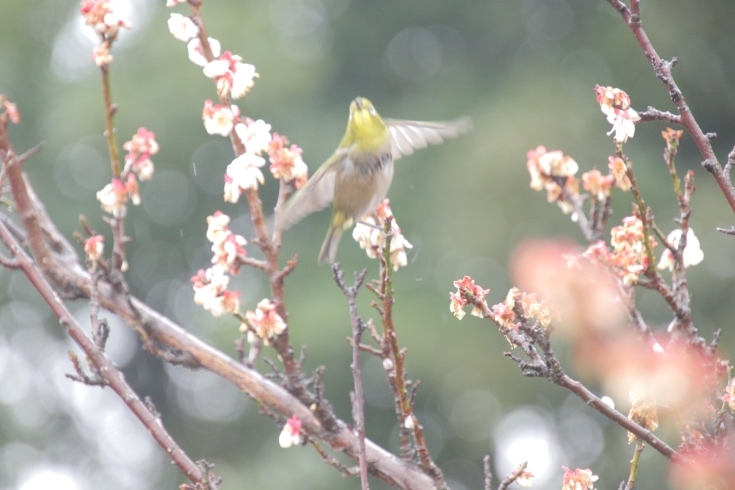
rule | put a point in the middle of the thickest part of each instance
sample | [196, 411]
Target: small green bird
[357, 176]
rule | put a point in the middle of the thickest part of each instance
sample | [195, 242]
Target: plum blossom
[226, 246]
[182, 27]
[255, 135]
[369, 234]
[219, 119]
[643, 412]
[140, 149]
[102, 17]
[619, 170]
[243, 173]
[231, 75]
[291, 433]
[196, 52]
[554, 172]
[286, 162]
[113, 197]
[615, 104]
[692, 254]
[210, 291]
[264, 323]
[729, 396]
[94, 247]
[466, 289]
[11, 110]
[597, 184]
[578, 479]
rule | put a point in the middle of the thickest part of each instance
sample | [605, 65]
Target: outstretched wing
[407, 136]
[315, 195]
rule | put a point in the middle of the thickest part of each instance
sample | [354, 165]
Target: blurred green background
[525, 72]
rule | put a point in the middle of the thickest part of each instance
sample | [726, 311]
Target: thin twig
[358, 405]
[639, 446]
[513, 476]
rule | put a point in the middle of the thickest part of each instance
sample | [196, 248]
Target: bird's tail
[331, 242]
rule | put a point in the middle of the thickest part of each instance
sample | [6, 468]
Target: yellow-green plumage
[359, 173]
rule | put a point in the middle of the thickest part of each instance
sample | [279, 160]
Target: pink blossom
[264, 322]
[140, 148]
[94, 247]
[101, 16]
[219, 119]
[291, 433]
[182, 27]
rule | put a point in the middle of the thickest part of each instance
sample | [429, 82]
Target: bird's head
[365, 129]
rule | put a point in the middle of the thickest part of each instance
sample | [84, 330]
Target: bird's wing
[315, 195]
[407, 136]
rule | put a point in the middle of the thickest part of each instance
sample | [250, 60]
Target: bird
[358, 174]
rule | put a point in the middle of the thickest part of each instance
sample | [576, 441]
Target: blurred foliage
[523, 70]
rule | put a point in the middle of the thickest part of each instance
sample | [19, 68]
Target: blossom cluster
[264, 323]
[554, 172]
[643, 412]
[628, 259]
[210, 291]
[286, 162]
[468, 293]
[599, 185]
[615, 104]
[138, 165]
[106, 22]
[370, 235]
[102, 17]
[226, 246]
[578, 479]
[233, 79]
[533, 309]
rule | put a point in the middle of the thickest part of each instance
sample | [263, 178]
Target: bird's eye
[371, 110]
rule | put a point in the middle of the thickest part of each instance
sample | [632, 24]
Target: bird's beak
[358, 102]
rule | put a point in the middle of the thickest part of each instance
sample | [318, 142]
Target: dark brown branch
[652, 114]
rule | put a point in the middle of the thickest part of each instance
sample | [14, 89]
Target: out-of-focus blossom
[286, 162]
[196, 52]
[578, 479]
[101, 55]
[679, 378]
[11, 110]
[466, 289]
[113, 197]
[729, 396]
[597, 185]
[210, 291]
[102, 17]
[524, 479]
[173, 3]
[226, 246]
[615, 104]
[583, 296]
[619, 170]
[370, 235]
[243, 173]
[291, 433]
[219, 119]
[255, 135]
[140, 149]
[643, 412]
[692, 254]
[264, 322]
[554, 172]
[182, 27]
[231, 75]
[704, 466]
[94, 247]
